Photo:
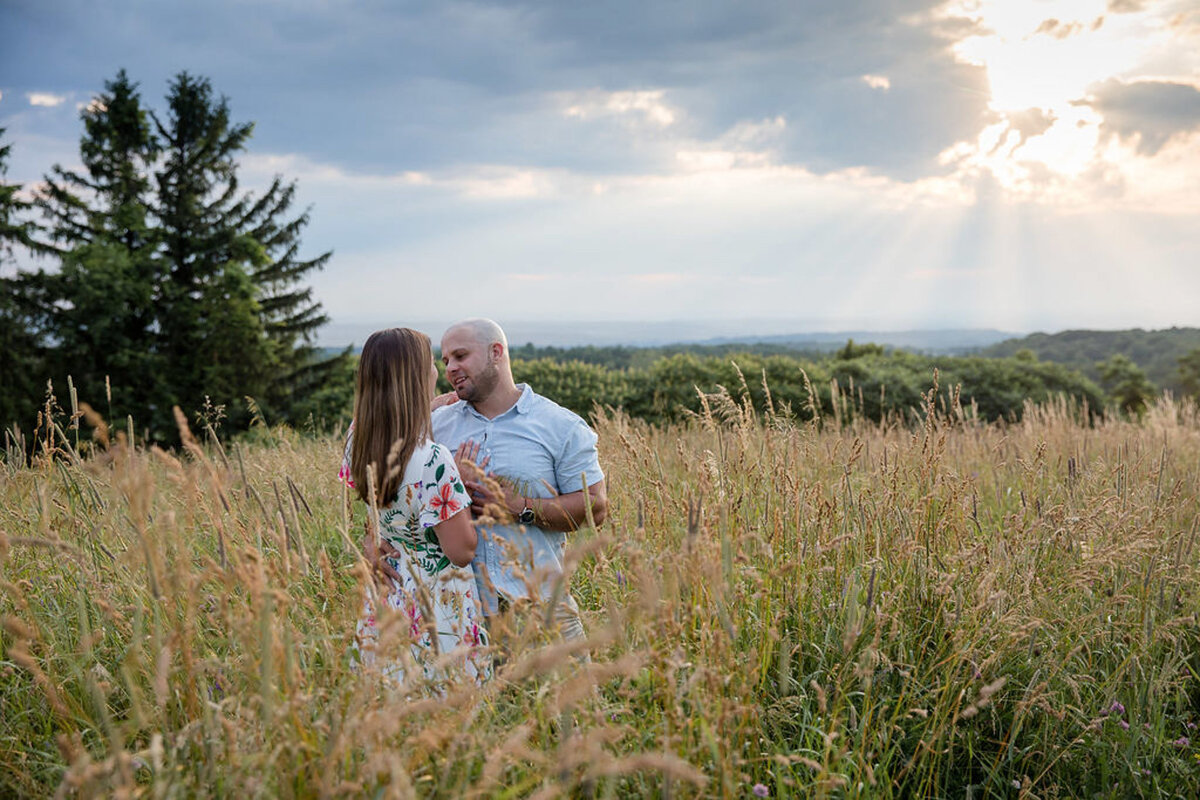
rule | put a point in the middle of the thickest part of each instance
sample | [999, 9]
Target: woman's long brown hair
[391, 409]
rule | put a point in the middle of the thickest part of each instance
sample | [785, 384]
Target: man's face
[470, 365]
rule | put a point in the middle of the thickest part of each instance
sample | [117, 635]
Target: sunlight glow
[1043, 61]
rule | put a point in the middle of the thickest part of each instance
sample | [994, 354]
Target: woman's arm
[457, 537]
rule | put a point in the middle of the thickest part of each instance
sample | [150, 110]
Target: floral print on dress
[434, 597]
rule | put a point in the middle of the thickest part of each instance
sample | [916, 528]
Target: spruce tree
[101, 300]
[21, 352]
[237, 320]
[173, 286]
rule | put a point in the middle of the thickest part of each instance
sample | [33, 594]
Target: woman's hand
[466, 458]
[377, 556]
[449, 398]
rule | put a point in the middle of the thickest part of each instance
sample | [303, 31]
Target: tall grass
[929, 606]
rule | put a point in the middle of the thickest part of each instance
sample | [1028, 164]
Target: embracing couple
[524, 467]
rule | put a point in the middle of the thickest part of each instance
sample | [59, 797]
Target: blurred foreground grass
[941, 608]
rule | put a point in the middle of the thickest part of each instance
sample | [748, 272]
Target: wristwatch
[526, 515]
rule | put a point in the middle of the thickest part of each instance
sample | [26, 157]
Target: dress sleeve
[344, 472]
[442, 488]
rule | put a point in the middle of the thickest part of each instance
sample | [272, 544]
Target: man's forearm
[564, 512]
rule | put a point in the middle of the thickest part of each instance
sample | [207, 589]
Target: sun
[1041, 60]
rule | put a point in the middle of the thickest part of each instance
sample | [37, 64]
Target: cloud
[1026, 124]
[437, 84]
[1149, 112]
[1126, 6]
[45, 99]
[1059, 30]
[648, 105]
[877, 82]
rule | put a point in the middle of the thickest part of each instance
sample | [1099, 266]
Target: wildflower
[1116, 708]
[1191, 726]
[760, 790]
[1182, 741]
[1124, 725]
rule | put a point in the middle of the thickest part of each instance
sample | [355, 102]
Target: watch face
[526, 516]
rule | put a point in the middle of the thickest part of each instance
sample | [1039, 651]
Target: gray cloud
[1150, 112]
[433, 84]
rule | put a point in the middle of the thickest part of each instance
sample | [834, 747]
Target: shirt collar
[522, 404]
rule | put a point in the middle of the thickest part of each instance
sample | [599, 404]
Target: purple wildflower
[1191, 726]
[1116, 708]
[1182, 741]
[760, 790]
[1124, 725]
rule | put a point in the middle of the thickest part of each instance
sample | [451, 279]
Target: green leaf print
[431, 536]
[442, 563]
[458, 487]
[441, 470]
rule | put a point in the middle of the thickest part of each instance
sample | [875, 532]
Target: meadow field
[931, 606]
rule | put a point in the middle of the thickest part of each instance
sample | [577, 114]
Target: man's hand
[493, 498]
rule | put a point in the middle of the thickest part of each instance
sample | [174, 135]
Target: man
[543, 456]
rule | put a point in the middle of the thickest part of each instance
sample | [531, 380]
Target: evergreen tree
[100, 303]
[173, 286]
[236, 320]
[21, 355]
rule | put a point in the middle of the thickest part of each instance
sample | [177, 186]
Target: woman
[418, 516]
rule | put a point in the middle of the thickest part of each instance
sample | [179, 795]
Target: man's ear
[497, 351]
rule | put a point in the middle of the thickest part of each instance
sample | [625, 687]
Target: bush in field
[574, 384]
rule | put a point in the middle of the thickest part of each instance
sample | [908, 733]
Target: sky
[875, 165]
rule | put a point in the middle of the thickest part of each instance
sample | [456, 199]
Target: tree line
[861, 381]
[161, 282]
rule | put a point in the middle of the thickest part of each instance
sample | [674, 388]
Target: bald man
[544, 457]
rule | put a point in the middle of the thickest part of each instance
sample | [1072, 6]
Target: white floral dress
[434, 596]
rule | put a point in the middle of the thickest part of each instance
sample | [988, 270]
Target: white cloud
[45, 99]
[646, 104]
[877, 82]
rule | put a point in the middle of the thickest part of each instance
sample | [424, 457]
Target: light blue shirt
[543, 450]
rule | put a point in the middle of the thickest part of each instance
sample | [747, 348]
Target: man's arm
[564, 512]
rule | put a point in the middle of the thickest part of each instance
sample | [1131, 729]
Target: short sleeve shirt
[544, 450]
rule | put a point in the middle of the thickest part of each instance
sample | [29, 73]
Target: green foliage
[1189, 373]
[852, 350]
[575, 384]
[870, 384]
[1127, 385]
[22, 360]
[1156, 352]
[172, 287]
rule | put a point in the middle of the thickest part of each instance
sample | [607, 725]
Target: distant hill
[1156, 352]
[934, 342]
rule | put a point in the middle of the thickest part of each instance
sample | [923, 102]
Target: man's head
[475, 352]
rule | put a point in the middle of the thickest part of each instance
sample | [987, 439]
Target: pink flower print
[445, 501]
